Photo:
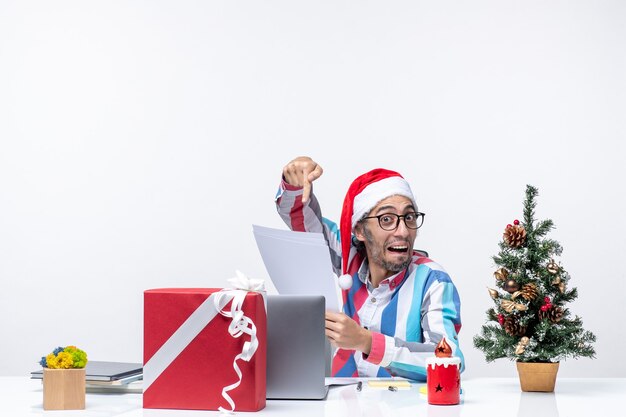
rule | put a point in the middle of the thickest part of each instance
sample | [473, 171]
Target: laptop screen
[298, 353]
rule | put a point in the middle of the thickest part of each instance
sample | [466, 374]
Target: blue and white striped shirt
[408, 314]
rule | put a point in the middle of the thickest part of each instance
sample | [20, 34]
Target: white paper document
[298, 263]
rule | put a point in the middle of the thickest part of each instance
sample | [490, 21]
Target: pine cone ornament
[511, 326]
[529, 292]
[554, 314]
[514, 235]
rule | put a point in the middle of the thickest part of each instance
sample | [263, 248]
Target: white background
[140, 140]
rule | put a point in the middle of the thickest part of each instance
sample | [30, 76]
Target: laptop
[298, 353]
[106, 371]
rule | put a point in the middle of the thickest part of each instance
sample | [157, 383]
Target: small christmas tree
[530, 322]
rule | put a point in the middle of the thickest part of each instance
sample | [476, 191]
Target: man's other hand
[301, 172]
[346, 333]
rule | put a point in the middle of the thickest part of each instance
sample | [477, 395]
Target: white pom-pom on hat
[345, 282]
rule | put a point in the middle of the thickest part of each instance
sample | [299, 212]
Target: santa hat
[364, 194]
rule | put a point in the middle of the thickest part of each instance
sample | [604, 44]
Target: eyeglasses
[390, 221]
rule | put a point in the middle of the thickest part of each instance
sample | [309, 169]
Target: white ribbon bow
[242, 282]
[239, 325]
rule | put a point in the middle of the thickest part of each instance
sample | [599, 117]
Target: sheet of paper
[329, 380]
[298, 263]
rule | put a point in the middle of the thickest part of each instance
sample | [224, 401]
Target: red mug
[443, 380]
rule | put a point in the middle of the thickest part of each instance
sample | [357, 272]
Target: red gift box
[189, 352]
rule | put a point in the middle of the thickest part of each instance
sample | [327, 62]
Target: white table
[483, 397]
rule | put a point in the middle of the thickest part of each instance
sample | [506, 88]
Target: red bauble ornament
[501, 319]
[515, 222]
[546, 300]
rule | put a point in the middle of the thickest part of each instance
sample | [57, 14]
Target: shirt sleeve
[440, 317]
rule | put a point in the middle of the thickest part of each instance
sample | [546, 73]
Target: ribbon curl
[239, 325]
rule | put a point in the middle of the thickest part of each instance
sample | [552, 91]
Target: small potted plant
[530, 322]
[64, 379]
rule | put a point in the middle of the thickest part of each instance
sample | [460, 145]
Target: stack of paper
[133, 387]
[102, 376]
[298, 263]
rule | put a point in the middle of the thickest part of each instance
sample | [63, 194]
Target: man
[397, 303]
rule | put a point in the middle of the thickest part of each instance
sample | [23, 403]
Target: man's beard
[376, 254]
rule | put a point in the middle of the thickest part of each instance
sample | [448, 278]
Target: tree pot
[63, 389]
[537, 376]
